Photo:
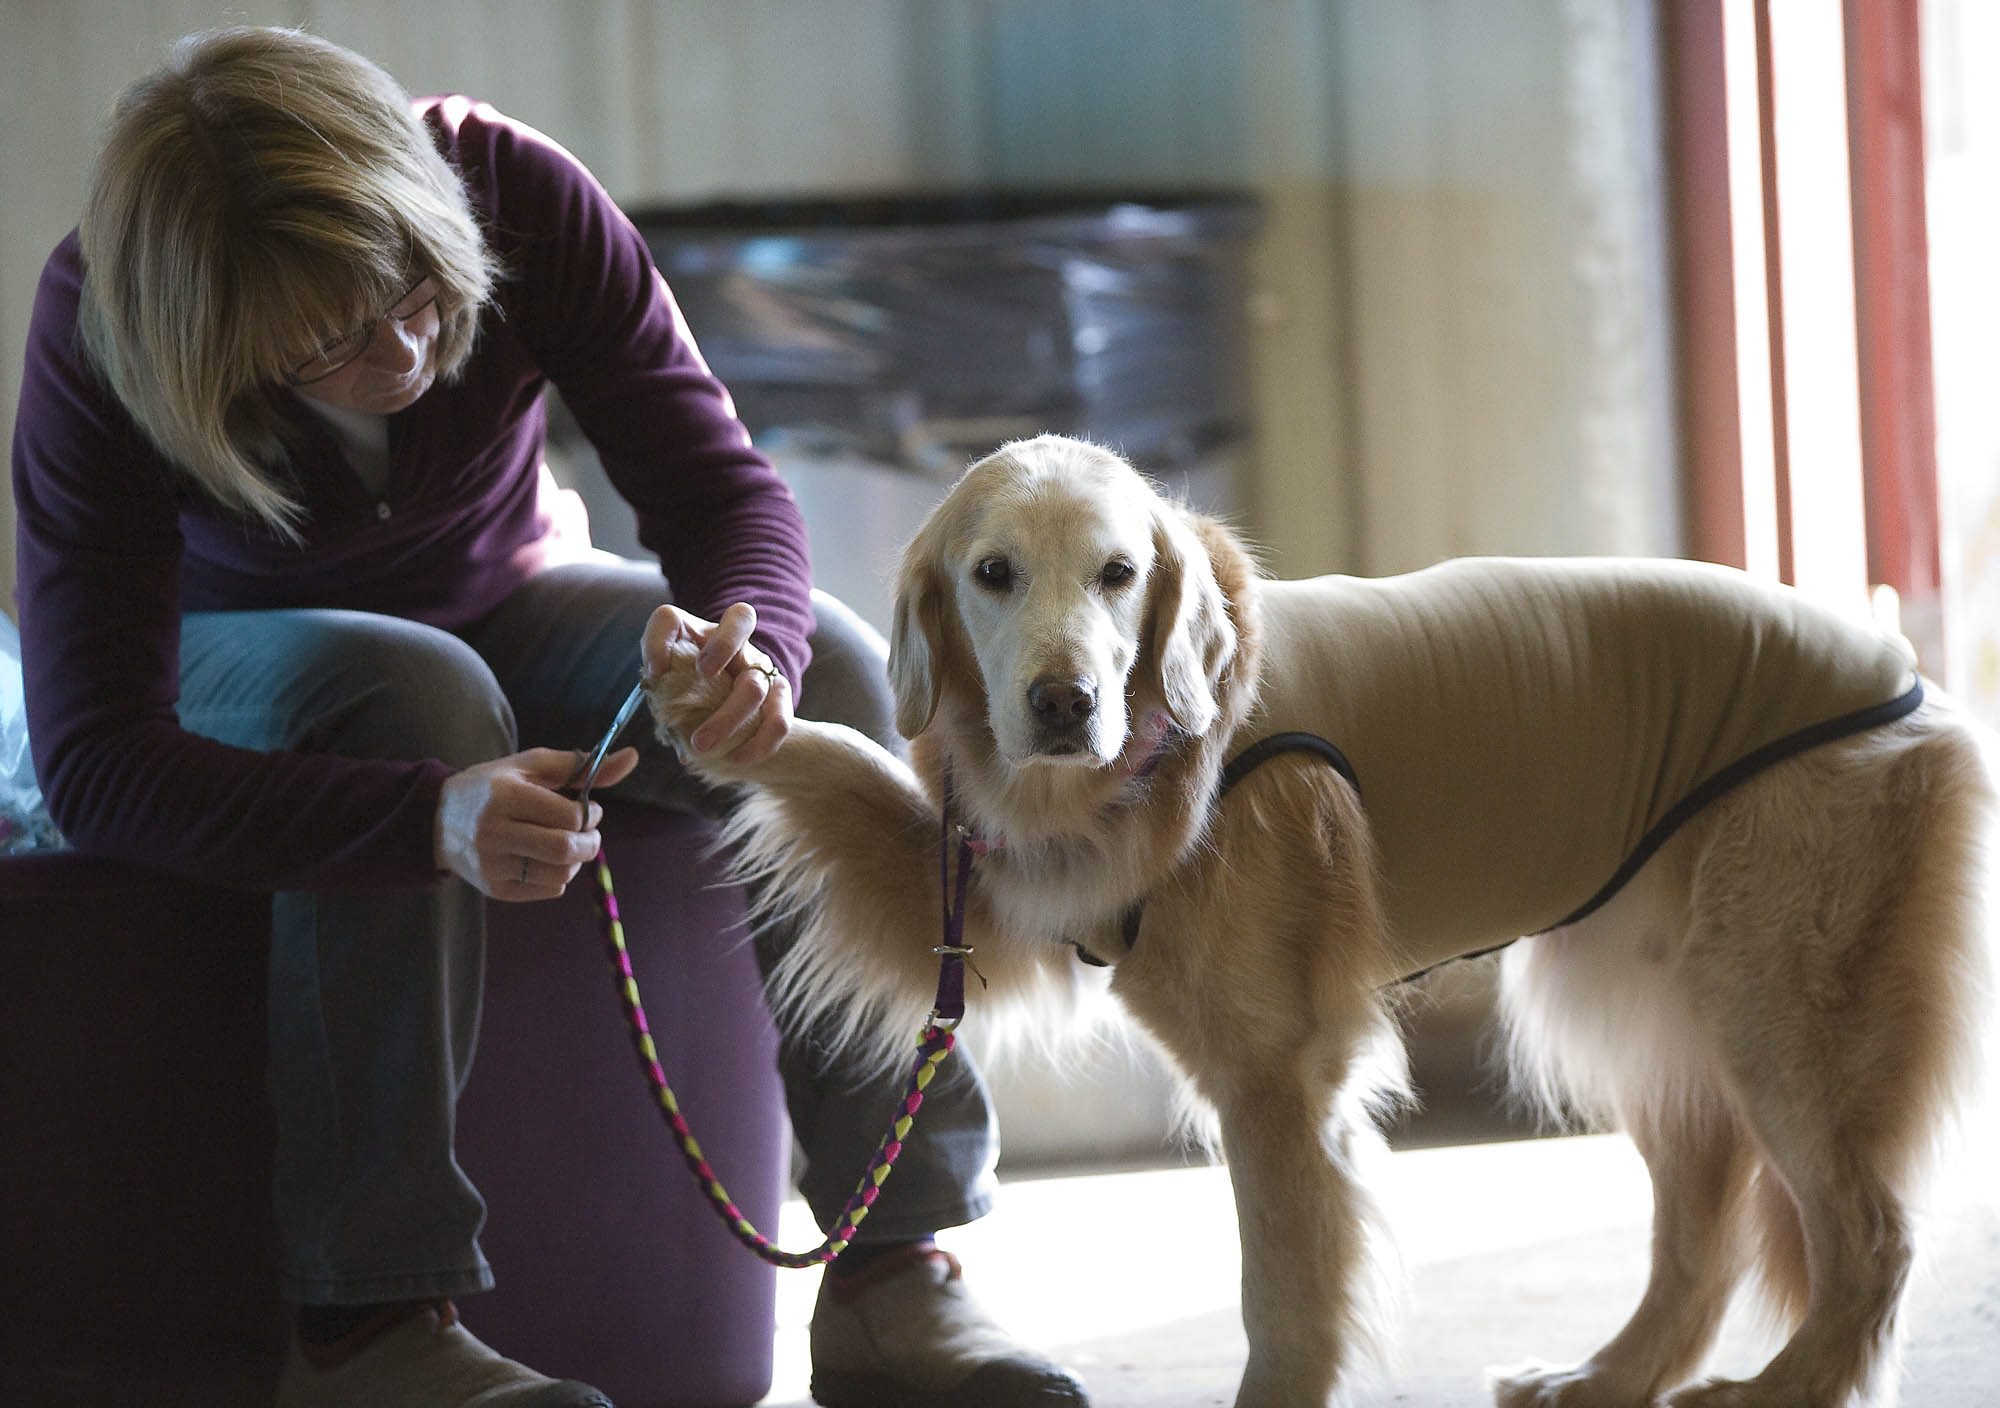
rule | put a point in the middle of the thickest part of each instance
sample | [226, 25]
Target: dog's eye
[1117, 572]
[996, 574]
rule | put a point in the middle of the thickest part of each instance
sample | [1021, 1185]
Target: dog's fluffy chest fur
[1065, 852]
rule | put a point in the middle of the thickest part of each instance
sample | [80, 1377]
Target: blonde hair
[259, 195]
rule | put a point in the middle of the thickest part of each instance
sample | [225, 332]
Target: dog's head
[1057, 589]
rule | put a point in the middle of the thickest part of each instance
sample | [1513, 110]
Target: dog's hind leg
[1842, 1197]
[1590, 1005]
[1804, 963]
[1700, 1167]
[1836, 961]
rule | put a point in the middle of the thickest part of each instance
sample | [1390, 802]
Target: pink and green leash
[934, 1043]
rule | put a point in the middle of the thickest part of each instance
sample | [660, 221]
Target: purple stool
[138, 1252]
[610, 1264]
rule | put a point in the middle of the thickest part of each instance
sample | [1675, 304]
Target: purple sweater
[114, 544]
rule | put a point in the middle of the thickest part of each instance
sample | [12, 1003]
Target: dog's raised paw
[680, 697]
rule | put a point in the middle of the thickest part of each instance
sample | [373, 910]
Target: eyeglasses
[349, 345]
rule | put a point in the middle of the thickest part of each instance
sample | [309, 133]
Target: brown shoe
[419, 1356]
[905, 1333]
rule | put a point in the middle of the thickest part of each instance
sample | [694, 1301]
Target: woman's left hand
[756, 715]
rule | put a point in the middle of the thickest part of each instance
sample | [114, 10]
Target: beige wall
[1460, 344]
[1505, 331]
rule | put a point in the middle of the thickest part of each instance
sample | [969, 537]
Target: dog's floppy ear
[1189, 639]
[918, 636]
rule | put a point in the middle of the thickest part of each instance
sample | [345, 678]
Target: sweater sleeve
[583, 291]
[99, 550]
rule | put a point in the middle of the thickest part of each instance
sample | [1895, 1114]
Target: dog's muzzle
[1062, 710]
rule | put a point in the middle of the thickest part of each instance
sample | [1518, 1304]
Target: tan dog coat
[1526, 732]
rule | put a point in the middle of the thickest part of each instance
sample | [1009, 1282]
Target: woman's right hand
[506, 828]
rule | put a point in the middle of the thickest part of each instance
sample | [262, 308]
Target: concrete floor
[1513, 1251]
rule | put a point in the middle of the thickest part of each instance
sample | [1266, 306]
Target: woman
[295, 587]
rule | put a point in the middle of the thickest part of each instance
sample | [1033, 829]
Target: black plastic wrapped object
[921, 331]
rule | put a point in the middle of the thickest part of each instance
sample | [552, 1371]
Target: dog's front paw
[1539, 1386]
[681, 697]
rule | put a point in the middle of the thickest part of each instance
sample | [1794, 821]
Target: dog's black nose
[1062, 701]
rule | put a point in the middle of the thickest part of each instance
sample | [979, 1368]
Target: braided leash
[934, 1043]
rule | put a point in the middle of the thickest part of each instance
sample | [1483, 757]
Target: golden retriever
[1748, 847]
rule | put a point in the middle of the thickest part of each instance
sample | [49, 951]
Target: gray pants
[375, 995]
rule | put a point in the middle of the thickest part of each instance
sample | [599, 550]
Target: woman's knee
[342, 682]
[435, 698]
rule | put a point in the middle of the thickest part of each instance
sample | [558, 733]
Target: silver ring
[769, 672]
[524, 870]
